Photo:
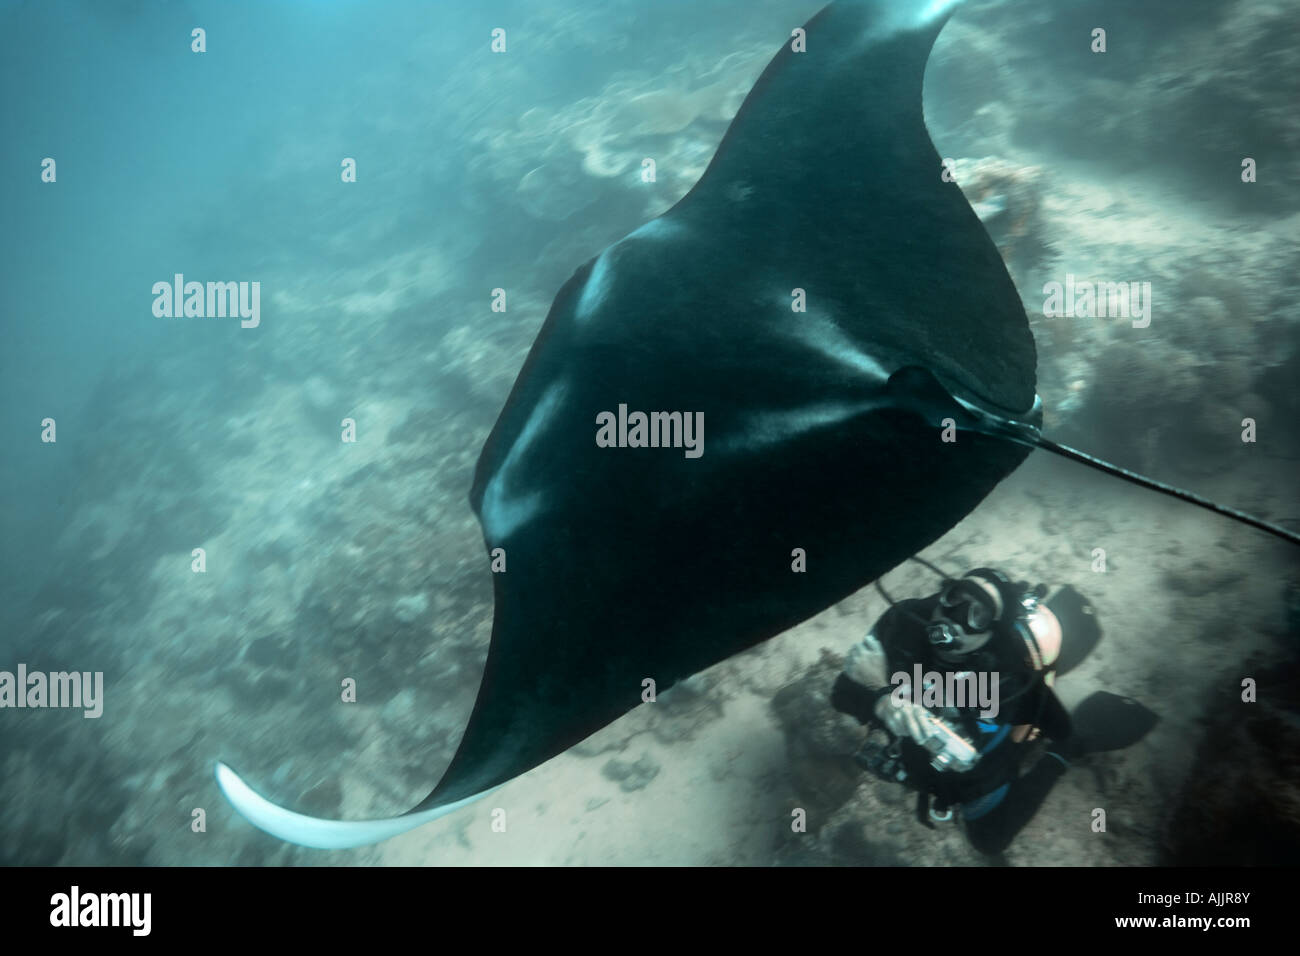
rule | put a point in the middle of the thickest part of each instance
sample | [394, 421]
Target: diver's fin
[1080, 632]
[1106, 721]
[314, 832]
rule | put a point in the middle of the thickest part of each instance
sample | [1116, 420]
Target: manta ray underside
[820, 433]
[634, 563]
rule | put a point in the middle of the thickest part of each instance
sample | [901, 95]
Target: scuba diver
[984, 734]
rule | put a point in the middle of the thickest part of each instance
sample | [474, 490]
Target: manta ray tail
[918, 389]
[1073, 454]
[322, 834]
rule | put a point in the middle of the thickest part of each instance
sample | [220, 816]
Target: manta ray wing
[633, 564]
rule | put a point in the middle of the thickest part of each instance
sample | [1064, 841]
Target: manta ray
[822, 305]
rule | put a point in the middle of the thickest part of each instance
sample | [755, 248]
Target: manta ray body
[820, 304]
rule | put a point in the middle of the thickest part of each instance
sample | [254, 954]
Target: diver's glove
[850, 697]
[948, 750]
[856, 689]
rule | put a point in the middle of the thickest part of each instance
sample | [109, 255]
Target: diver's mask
[963, 620]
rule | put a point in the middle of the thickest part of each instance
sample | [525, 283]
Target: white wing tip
[314, 832]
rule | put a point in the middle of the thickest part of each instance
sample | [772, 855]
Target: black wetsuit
[994, 798]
